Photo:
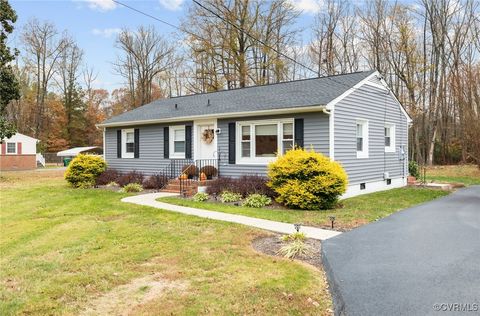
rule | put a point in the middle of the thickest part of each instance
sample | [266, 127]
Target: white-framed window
[259, 142]
[362, 138]
[11, 148]
[177, 141]
[389, 131]
[128, 143]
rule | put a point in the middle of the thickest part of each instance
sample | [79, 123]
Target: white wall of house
[29, 144]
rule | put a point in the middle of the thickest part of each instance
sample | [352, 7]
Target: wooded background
[428, 52]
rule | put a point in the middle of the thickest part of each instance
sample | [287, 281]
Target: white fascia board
[314, 108]
[385, 86]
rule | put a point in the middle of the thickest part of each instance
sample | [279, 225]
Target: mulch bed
[271, 244]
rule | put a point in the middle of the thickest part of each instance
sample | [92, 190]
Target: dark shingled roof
[299, 93]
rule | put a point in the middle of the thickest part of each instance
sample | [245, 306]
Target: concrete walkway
[279, 227]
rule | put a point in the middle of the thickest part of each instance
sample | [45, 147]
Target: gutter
[314, 108]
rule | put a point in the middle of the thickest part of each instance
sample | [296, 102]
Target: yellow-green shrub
[308, 180]
[83, 170]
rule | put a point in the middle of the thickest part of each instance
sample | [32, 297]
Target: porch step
[173, 186]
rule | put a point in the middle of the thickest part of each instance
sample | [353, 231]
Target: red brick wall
[18, 162]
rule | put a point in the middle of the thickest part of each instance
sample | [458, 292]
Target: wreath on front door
[208, 135]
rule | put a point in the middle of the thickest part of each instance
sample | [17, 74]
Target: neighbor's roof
[75, 151]
[292, 94]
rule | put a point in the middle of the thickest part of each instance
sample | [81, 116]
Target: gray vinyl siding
[315, 136]
[151, 159]
[372, 104]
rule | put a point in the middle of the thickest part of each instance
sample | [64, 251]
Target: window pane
[359, 130]
[359, 144]
[287, 131]
[179, 146]
[266, 140]
[387, 131]
[246, 132]
[287, 145]
[179, 135]
[129, 148]
[129, 137]
[387, 141]
[11, 148]
[245, 149]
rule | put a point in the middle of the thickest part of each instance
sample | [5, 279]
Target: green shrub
[307, 180]
[257, 200]
[294, 249]
[112, 184]
[413, 169]
[83, 170]
[293, 237]
[133, 187]
[200, 197]
[228, 197]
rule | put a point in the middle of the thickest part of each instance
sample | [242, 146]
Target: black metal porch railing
[198, 170]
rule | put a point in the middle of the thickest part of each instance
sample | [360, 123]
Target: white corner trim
[374, 186]
[104, 145]
[331, 135]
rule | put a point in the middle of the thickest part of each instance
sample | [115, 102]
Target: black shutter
[188, 141]
[166, 143]
[119, 143]
[299, 133]
[136, 144]
[231, 143]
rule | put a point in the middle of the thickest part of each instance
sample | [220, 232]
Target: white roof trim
[314, 108]
[331, 104]
[74, 151]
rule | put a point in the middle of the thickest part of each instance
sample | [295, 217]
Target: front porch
[184, 176]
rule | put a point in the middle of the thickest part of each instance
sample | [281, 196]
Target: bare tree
[144, 55]
[44, 46]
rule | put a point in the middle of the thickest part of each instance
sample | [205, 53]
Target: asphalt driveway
[420, 261]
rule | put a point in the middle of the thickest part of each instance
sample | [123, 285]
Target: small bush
[413, 169]
[228, 197]
[130, 177]
[200, 197]
[293, 237]
[112, 184]
[132, 187]
[295, 249]
[209, 171]
[190, 170]
[155, 182]
[83, 170]
[257, 200]
[245, 185]
[307, 180]
[109, 175]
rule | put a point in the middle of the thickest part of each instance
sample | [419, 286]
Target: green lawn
[466, 174]
[353, 212]
[62, 248]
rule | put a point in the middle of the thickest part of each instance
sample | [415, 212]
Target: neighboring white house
[18, 152]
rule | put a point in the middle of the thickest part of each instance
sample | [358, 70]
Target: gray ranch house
[352, 118]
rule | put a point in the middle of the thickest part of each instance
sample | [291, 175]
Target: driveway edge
[333, 287]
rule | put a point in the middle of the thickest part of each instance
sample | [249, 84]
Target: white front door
[206, 140]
